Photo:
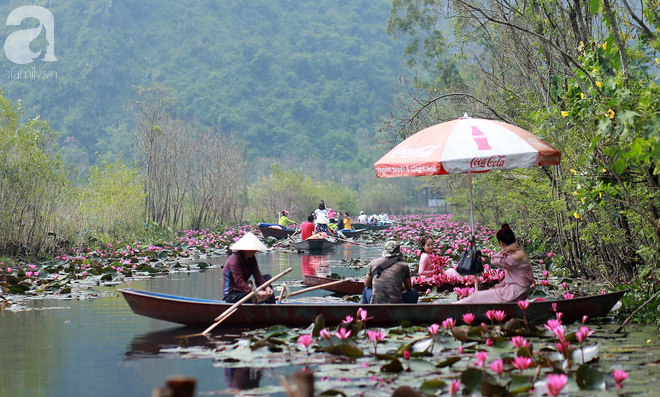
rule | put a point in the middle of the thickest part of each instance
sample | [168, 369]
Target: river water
[98, 347]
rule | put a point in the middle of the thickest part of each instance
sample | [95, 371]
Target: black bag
[470, 263]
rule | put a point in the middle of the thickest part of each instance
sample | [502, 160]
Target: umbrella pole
[476, 282]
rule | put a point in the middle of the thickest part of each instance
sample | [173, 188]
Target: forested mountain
[301, 82]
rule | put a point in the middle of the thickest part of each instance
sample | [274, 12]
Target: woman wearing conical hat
[242, 265]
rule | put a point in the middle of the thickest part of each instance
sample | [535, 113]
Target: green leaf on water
[520, 384]
[431, 386]
[589, 378]
[471, 378]
[276, 330]
[393, 366]
[448, 362]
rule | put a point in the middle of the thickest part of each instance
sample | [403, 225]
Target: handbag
[470, 263]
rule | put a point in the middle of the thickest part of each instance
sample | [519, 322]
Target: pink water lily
[583, 334]
[522, 363]
[325, 334]
[454, 387]
[361, 314]
[306, 340]
[449, 323]
[520, 342]
[554, 383]
[568, 295]
[497, 366]
[343, 333]
[468, 318]
[619, 376]
[433, 329]
[481, 359]
[523, 304]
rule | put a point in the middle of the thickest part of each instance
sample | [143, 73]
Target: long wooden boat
[194, 311]
[353, 233]
[354, 287]
[372, 226]
[315, 244]
[274, 230]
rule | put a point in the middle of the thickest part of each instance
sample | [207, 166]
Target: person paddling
[242, 265]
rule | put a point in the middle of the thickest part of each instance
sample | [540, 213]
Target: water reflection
[313, 264]
[152, 344]
[243, 378]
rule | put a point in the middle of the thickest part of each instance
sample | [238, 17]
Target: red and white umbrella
[466, 145]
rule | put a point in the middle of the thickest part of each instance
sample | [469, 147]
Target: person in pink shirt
[519, 276]
[425, 264]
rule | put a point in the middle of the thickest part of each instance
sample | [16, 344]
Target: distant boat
[353, 233]
[274, 230]
[194, 311]
[315, 244]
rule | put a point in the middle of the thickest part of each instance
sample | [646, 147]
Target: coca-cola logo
[409, 152]
[485, 163]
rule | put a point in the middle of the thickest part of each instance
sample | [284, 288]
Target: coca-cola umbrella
[466, 145]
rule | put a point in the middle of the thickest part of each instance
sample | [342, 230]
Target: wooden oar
[232, 309]
[302, 291]
[348, 241]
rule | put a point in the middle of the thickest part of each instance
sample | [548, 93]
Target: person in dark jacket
[242, 265]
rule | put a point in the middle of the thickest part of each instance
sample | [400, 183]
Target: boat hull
[313, 244]
[192, 311]
[268, 231]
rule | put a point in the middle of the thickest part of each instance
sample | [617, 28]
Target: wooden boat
[274, 230]
[372, 226]
[354, 287]
[315, 244]
[353, 233]
[194, 311]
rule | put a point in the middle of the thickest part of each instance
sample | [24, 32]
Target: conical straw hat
[249, 242]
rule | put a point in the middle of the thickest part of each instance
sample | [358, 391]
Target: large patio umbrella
[466, 145]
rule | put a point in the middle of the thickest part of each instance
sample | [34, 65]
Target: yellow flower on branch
[582, 95]
[582, 199]
[603, 169]
[564, 113]
[576, 215]
[599, 85]
[573, 171]
[605, 46]
[610, 113]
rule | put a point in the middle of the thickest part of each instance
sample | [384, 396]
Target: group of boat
[317, 244]
[194, 311]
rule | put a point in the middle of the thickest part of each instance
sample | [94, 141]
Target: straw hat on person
[322, 219]
[249, 242]
[392, 249]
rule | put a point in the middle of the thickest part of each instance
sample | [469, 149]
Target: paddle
[348, 241]
[302, 291]
[232, 309]
[284, 240]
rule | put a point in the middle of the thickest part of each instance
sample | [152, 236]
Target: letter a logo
[17, 45]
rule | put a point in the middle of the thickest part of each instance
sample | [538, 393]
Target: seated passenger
[518, 278]
[388, 279]
[322, 225]
[426, 267]
[307, 228]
